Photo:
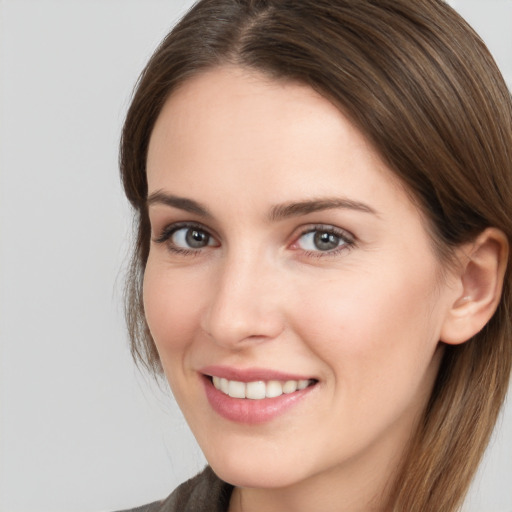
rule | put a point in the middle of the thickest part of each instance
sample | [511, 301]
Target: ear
[480, 277]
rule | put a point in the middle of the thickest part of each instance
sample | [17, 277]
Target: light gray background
[80, 429]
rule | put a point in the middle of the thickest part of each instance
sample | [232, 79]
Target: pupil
[196, 239]
[326, 241]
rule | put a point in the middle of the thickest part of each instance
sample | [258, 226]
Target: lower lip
[251, 412]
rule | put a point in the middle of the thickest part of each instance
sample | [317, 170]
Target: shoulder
[203, 493]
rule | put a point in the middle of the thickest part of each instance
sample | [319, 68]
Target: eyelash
[170, 230]
[346, 239]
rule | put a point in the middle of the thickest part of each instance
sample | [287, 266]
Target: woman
[323, 192]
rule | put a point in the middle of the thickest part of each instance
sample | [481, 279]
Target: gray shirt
[203, 493]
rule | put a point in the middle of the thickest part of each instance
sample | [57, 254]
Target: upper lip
[250, 374]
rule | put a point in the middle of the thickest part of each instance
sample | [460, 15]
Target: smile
[254, 396]
[260, 389]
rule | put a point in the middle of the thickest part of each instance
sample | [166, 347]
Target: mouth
[259, 389]
[254, 396]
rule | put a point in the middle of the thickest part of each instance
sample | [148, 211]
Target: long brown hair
[423, 88]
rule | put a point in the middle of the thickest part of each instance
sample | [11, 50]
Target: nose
[245, 305]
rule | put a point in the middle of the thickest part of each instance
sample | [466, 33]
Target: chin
[246, 472]
[256, 478]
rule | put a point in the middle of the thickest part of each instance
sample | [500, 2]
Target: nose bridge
[244, 306]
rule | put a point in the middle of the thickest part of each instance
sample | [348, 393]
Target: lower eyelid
[327, 254]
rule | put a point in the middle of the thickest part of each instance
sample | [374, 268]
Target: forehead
[210, 109]
[235, 133]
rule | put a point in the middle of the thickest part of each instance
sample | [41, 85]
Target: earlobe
[483, 265]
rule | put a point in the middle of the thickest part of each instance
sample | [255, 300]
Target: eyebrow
[277, 212]
[295, 209]
[182, 203]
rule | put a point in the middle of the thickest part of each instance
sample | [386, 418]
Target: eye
[186, 238]
[190, 238]
[327, 239]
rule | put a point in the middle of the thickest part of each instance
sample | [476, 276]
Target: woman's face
[284, 254]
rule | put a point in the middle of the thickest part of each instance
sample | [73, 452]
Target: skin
[364, 319]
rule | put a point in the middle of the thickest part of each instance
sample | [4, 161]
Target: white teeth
[303, 384]
[274, 388]
[257, 390]
[224, 386]
[236, 389]
[290, 386]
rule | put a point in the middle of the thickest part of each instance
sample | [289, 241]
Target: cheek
[374, 327]
[171, 305]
